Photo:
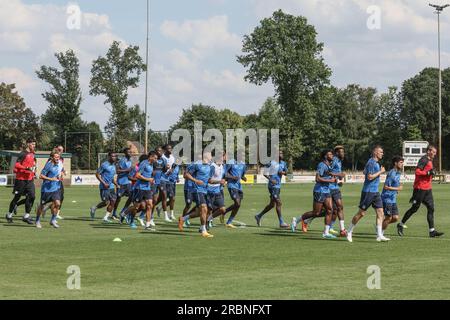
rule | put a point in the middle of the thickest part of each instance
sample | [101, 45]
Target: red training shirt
[423, 180]
[26, 160]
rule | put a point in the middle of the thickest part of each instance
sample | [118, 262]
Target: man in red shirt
[423, 192]
[25, 170]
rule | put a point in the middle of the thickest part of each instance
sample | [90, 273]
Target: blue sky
[194, 44]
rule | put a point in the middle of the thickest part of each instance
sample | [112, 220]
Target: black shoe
[400, 230]
[8, 219]
[436, 234]
[28, 220]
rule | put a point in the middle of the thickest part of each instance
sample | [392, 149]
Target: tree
[64, 97]
[389, 126]
[357, 119]
[18, 122]
[283, 49]
[112, 77]
[420, 108]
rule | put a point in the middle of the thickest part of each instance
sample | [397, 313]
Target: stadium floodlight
[146, 83]
[438, 11]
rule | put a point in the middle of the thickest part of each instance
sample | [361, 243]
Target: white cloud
[18, 41]
[22, 80]
[202, 35]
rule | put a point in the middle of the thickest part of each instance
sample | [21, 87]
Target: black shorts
[422, 196]
[61, 191]
[274, 193]
[108, 195]
[200, 198]
[320, 197]
[390, 209]
[24, 188]
[236, 194]
[155, 189]
[171, 189]
[163, 186]
[370, 199]
[215, 201]
[47, 197]
[142, 195]
[124, 191]
[188, 197]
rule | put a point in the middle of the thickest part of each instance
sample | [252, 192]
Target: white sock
[342, 224]
[432, 229]
[165, 214]
[380, 230]
[10, 215]
[327, 229]
[171, 212]
[107, 215]
[203, 228]
[26, 216]
[147, 224]
[350, 229]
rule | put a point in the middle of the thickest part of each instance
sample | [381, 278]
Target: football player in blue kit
[275, 170]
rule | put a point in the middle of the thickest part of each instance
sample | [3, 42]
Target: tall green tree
[64, 97]
[389, 125]
[284, 50]
[18, 122]
[420, 108]
[358, 122]
[112, 76]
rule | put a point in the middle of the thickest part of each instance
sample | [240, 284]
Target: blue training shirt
[158, 168]
[202, 172]
[51, 170]
[336, 168]
[392, 180]
[107, 171]
[122, 178]
[323, 170]
[236, 170]
[275, 168]
[145, 170]
[173, 177]
[188, 184]
[372, 167]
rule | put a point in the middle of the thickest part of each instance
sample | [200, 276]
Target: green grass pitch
[246, 263]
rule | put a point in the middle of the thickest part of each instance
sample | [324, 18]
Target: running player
[322, 195]
[159, 167]
[50, 190]
[200, 173]
[216, 200]
[105, 175]
[370, 196]
[234, 173]
[124, 168]
[389, 195]
[143, 195]
[169, 160]
[25, 170]
[423, 193]
[336, 196]
[275, 170]
[172, 187]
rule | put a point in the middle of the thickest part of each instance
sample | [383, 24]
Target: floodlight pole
[146, 82]
[438, 11]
